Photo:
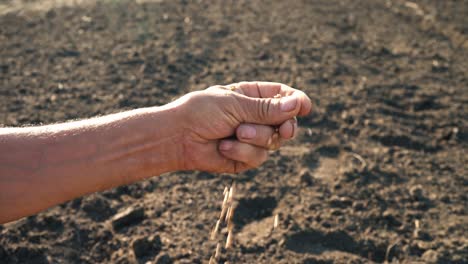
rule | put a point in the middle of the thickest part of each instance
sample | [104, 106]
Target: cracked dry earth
[378, 172]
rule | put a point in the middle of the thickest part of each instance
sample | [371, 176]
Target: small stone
[163, 259]
[430, 256]
[445, 198]
[129, 216]
[97, 207]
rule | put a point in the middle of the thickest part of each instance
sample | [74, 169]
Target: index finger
[270, 90]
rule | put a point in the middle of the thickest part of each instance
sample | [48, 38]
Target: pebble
[146, 246]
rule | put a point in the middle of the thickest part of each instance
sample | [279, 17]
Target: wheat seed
[230, 214]
[227, 213]
[229, 240]
[218, 250]
[275, 222]
[274, 141]
[212, 260]
[224, 207]
[231, 193]
[215, 230]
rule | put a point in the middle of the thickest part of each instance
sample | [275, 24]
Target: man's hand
[229, 128]
[47, 165]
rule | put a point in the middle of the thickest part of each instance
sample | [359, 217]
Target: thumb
[269, 111]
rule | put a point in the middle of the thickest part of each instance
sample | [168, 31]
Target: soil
[378, 172]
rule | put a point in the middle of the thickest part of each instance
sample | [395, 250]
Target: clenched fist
[230, 128]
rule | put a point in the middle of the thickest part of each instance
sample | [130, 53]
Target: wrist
[164, 129]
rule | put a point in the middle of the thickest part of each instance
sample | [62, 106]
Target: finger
[263, 89]
[267, 111]
[258, 135]
[288, 129]
[270, 90]
[249, 154]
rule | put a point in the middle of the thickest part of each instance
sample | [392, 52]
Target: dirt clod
[145, 247]
[97, 207]
[129, 216]
[163, 258]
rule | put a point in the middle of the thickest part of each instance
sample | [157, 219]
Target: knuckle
[213, 88]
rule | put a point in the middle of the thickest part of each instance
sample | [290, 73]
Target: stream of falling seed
[225, 217]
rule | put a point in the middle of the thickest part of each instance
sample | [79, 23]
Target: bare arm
[47, 165]
[43, 166]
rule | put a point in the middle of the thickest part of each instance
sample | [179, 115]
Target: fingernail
[288, 104]
[289, 126]
[225, 145]
[247, 132]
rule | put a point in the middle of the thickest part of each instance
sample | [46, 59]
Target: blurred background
[377, 174]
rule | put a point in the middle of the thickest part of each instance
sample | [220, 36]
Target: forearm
[44, 166]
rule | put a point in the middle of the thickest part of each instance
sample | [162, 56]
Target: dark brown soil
[384, 151]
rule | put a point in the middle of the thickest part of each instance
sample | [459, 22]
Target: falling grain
[229, 240]
[274, 141]
[230, 215]
[215, 230]
[218, 251]
[212, 260]
[231, 193]
[276, 221]
[226, 216]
